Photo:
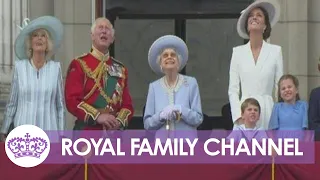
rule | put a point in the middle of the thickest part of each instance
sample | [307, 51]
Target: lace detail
[170, 91]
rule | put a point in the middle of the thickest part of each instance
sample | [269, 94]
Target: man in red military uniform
[96, 89]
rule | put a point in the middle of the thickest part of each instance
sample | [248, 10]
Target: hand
[2, 137]
[166, 113]
[107, 120]
[163, 115]
[177, 108]
[117, 127]
[176, 111]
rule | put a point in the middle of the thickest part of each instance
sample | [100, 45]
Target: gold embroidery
[96, 75]
[99, 55]
[94, 113]
[123, 116]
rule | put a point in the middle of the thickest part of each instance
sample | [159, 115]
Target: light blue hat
[167, 41]
[51, 24]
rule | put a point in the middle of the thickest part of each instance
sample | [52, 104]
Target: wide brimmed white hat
[167, 41]
[49, 23]
[271, 6]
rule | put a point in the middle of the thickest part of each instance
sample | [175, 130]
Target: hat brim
[271, 6]
[164, 42]
[51, 24]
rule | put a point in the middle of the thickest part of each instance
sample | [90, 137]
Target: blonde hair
[28, 46]
[93, 26]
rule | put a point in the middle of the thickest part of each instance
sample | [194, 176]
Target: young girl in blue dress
[290, 113]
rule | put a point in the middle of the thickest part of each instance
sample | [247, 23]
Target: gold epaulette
[117, 61]
[84, 54]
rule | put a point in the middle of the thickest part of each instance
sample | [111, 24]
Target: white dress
[36, 97]
[256, 80]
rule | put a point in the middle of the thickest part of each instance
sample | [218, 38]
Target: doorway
[207, 26]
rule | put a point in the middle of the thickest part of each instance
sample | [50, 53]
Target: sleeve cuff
[123, 116]
[89, 110]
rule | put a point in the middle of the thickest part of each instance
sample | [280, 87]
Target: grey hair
[179, 57]
[93, 26]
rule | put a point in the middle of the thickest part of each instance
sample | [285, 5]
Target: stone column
[292, 34]
[12, 14]
[76, 17]
[313, 44]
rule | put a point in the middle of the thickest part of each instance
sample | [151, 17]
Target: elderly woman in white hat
[173, 101]
[257, 66]
[36, 91]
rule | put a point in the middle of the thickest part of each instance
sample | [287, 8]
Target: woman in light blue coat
[36, 91]
[173, 101]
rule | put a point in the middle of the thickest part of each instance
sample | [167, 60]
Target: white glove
[166, 113]
[163, 115]
[177, 108]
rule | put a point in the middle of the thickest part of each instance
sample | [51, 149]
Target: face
[251, 114]
[39, 40]
[169, 60]
[256, 21]
[288, 90]
[102, 36]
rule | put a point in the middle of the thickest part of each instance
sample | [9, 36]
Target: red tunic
[96, 84]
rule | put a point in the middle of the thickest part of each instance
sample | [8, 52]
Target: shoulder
[260, 129]
[315, 91]
[155, 82]
[277, 106]
[21, 62]
[54, 65]
[189, 79]
[302, 104]
[238, 49]
[274, 47]
[76, 60]
[82, 56]
[117, 62]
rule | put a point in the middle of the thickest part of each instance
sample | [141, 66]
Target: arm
[314, 109]
[279, 72]
[305, 116]
[60, 101]
[274, 119]
[193, 115]
[74, 95]
[151, 118]
[11, 107]
[126, 111]
[234, 89]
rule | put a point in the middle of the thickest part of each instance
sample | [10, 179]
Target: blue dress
[185, 94]
[290, 119]
[36, 97]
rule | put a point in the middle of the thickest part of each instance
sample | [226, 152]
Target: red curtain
[10, 171]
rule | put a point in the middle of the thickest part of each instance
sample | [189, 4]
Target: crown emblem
[27, 147]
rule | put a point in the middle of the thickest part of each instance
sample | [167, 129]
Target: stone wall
[210, 41]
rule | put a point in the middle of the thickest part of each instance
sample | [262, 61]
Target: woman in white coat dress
[257, 66]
